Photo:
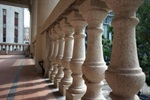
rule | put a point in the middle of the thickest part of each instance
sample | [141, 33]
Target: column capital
[127, 7]
[50, 35]
[76, 20]
[59, 31]
[94, 11]
[54, 33]
[66, 27]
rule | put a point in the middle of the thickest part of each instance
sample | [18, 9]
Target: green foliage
[107, 47]
[143, 37]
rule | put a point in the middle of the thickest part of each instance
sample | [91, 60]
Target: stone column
[44, 9]
[94, 12]
[124, 74]
[9, 48]
[47, 54]
[69, 41]
[56, 47]
[59, 57]
[77, 88]
[52, 44]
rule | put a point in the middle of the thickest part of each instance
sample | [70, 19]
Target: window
[4, 11]
[4, 25]
[16, 27]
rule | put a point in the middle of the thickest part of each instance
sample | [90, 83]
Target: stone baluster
[5, 46]
[77, 88]
[16, 47]
[56, 47]
[61, 40]
[69, 42]
[94, 12]
[12, 47]
[23, 48]
[124, 74]
[52, 44]
[47, 54]
[9, 47]
[20, 47]
[0, 47]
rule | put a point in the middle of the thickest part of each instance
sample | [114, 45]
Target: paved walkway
[19, 80]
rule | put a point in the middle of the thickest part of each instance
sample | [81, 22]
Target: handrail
[12, 44]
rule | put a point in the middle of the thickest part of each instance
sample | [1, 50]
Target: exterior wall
[106, 23]
[45, 7]
[10, 10]
[33, 19]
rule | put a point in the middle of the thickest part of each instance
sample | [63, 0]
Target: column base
[63, 88]
[91, 98]
[52, 78]
[49, 75]
[116, 97]
[70, 96]
[56, 82]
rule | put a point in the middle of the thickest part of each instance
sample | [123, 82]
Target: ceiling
[19, 3]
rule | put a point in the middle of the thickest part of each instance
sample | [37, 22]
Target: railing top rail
[13, 44]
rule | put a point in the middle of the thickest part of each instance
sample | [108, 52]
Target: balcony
[71, 71]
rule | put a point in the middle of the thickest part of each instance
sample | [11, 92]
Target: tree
[143, 37]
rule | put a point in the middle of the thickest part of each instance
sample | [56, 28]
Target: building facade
[26, 35]
[11, 24]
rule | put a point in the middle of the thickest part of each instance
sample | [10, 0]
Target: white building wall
[1, 26]
[10, 16]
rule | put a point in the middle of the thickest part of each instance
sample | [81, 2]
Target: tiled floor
[19, 80]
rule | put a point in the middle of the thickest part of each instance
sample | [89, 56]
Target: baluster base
[71, 96]
[116, 97]
[56, 83]
[63, 88]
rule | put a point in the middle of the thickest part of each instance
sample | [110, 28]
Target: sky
[26, 18]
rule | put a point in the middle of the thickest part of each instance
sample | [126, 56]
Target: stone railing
[13, 49]
[79, 76]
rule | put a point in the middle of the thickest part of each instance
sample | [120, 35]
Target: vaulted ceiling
[20, 3]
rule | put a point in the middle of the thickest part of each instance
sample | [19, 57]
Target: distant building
[26, 35]
[11, 24]
[106, 24]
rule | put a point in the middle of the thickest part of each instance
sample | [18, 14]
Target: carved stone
[69, 43]
[94, 12]
[124, 74]
[77, 88]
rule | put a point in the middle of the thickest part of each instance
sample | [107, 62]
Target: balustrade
[12, 48]
[67, 51]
